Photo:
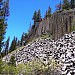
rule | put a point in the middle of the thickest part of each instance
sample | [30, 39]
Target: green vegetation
[3, 24]
[12, 61]
[13, 44]
[48, 12]
[7, 46]
[34, 67]
[65, 4]
[72, 4]
[37, 16]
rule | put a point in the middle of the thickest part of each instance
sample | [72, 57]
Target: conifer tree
[72, 4]
[35, 17]
[12, 61]
[13, 44]
[23, 39]
[18, 43]
[4, 11]
[65, 4]
[48, 12]
[7, 46]
[38, 15]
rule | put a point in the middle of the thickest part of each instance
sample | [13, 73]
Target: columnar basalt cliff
[57, 25]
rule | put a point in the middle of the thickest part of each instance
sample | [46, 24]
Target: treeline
[66, 4]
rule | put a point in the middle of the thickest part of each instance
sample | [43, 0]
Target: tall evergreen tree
[18, 43]
[66, 4]
[26, 38]
[23, 39]
[39, 15]
[72, 4]
[12, 61]
[13, 44]
[35, 17]
[7, 46]
[48, 12]
[4, 11]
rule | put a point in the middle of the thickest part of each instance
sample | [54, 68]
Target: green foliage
[20, 68]
[65, 4]
[7, 46]
[23, 39]
[37, 16]
[72, 4]
[48, 12]
[1, 66]
[9, 69]
[34, 67]
[3, 23]
[12, 61]
[13, 44]
[2, 32]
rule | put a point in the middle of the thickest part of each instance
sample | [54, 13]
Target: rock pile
[62, 50]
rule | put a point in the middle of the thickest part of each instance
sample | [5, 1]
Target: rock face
[62, 50]
[57, 25]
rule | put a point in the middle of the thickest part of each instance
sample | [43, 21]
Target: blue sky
[21, 12]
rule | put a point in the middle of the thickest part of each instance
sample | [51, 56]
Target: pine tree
[72, 4]
[4, 11]
[12, 61]
[13, 44]
[35, 17]
[7, 46]
[18, 43]
[23, 39]
[39, 15]
[65, 4]
[26, 38]
[49, 12]
[3, 53]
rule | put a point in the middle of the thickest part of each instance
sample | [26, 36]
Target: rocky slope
[62, 50]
